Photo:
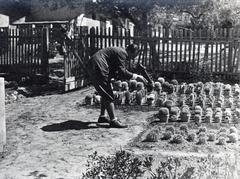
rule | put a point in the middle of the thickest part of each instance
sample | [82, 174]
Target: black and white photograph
[119, 89]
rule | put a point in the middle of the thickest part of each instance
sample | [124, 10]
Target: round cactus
[161, 80]
[89, 100]
[173, 118]
[202, 140]
[223, 130]
[211, 137]
[163, 114]
[168, 104]
[160, 102]
[222, 134]
[132, 85]
[177, 139]
[174, 82]
[202, 129]
[175, 111]
[171, 129]
[117, 85]
[222, 140]
[125, 86]
[208, 118]
[139, 98]
[140, 86]
[191, 137]
[127, 97]
[217, 118]
[233, 130]
[197, 118]
[184, 128]
[97, 99]
[233, 138]
[152, 136]
[157, 86]
[167, 135]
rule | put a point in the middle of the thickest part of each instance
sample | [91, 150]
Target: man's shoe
[117, 124]
[103, 119]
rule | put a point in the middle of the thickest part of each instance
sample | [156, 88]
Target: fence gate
[76, 55]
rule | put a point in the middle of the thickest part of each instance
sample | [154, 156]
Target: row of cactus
[206, 95]
[201, 137]
[198, 115]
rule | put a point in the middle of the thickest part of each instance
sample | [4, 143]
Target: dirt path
[51, 137]
[62, 149]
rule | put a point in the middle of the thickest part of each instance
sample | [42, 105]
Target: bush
[233, 130]
[191, 137]
[211, 137]
[222, 140]
[167, 135]
[177, 139]
[202, 140]
[122, 165]
[171, 129]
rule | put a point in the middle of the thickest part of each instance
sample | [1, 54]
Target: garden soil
[52, 136]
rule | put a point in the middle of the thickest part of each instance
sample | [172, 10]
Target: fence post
[92, 41]
[2, 115]
[45, 48]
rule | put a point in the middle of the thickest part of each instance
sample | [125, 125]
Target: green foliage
[122, 165]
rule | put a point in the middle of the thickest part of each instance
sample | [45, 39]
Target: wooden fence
[23, 51]
[164, 51]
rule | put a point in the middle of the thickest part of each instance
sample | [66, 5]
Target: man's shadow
[72, 125]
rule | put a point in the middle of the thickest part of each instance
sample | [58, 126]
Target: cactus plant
[184, 128]
[168, 104]
[177, 139]
[171, 129]
[233, 130]
[125, 86]
[233, 138]
[97, 99]
[161, 80]
[197, 118]
[132, 85]
[211, 137]
[163, 114]
[89, 100]
[157, 86]
[202, 140]
[221, 141]
[152, 136]
[191, 137]
[202, 129]
[167, 135]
